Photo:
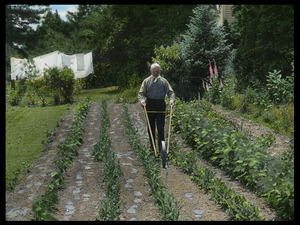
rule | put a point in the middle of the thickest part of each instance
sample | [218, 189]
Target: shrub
[61, 83]
[237, 100]
[13, 96]
[283, 118]
[280, 90]
[37, 90]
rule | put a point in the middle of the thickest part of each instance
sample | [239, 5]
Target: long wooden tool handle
[150, 131]
[169, 130]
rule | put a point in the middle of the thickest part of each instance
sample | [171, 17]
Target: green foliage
[280, 90]
[265, 40]
[237, 207]
[44, 206]
[186, 61]
[214, 94]
[239, 154]
[61, 83]
[19, 33]
[271, 104]
[37, 91]
[52, 34]
[99, 77]
[166, 203]
[110, 206]
[13, 96]
[166, 57]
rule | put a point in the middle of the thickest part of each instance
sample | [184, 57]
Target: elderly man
[152, 96]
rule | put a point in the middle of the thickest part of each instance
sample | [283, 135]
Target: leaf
[252, 163]
[53, 174]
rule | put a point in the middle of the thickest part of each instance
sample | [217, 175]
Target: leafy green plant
[166, 202]
[239, 154]
[237, 207]
[61, 83]
[44, 206]
[37, 90]
[280, 90]
[110, 206]
[13, 95]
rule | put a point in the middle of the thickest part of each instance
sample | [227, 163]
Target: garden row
[237, 207]
[166, 202]
[239, 154]
[103, 152]
[44, 206]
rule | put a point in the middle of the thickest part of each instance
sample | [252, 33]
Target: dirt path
[19, 201]
[81, 199]
[136, 203]
[195, 204]
[279, 146]
[84, 187]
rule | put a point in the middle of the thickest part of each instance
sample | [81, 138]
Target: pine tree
[204, 40]
[19, 19]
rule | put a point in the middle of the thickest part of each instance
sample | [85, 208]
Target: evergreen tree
[204, 40]
[19, 19]
[53, 34]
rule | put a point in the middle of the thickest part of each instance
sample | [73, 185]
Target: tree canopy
[264, 36]
[126, 38]
[19, 31]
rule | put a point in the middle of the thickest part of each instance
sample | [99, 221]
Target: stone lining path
[19, 201]
[84, 186]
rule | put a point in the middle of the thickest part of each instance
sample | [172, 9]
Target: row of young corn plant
[45, 206]
[239, 154]
[103, 152]
[236, 206]
[167, 204]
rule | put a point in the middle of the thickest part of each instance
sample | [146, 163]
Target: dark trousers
[156, 119]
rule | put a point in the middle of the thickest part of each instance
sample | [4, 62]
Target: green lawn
[26, 126]
[110, 94]
[25, 129]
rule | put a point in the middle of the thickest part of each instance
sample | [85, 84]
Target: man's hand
[143, 104]
[171, 104]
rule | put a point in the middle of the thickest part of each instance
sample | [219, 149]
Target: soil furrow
[195, 204]
[81, 198]
[19, 201]
[136, 203]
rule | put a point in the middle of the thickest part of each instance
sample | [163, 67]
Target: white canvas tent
[81, 64]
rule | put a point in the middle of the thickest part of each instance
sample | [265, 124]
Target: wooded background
[125, 39]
